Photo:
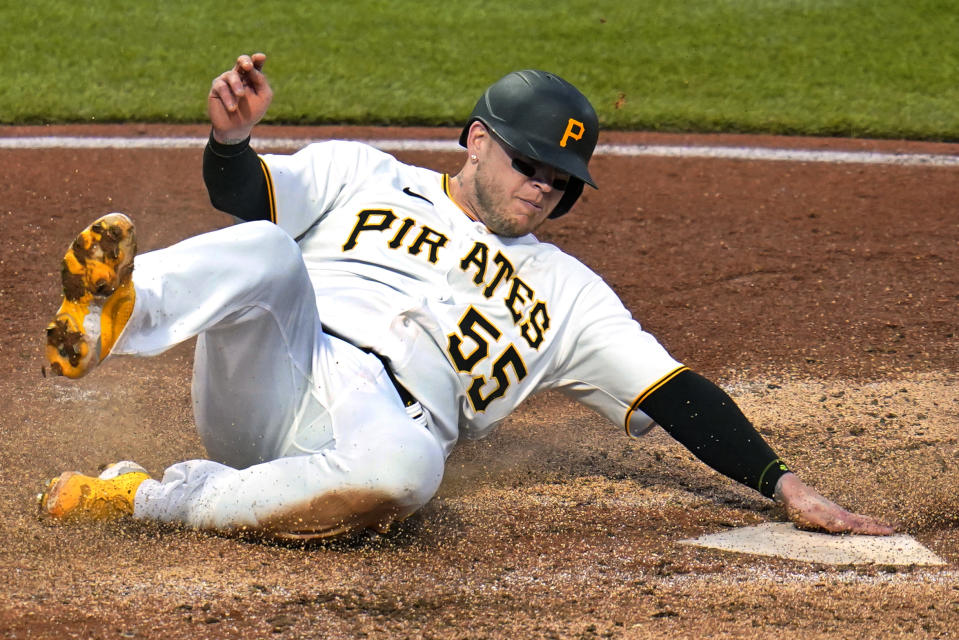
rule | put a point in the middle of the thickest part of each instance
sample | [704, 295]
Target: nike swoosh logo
[409, 192]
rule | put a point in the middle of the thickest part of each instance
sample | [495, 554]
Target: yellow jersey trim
[270, 194]
[649, 390]
[446, 190]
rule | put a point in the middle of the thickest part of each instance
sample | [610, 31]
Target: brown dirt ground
[823, 297]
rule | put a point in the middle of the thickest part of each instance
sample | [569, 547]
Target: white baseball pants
[306, 434]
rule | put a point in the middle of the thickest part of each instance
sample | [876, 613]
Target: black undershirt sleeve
[234, 178]
[705, 420]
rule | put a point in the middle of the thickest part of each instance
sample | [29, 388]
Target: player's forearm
[704, 419]
[235, 181]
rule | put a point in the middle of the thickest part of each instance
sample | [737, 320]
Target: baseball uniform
[372, 287]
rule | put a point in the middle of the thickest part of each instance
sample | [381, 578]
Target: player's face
[515, 194]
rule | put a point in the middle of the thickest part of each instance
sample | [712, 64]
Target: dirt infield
[824, 298]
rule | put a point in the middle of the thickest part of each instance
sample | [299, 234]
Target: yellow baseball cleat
[74, 497]
[98, 296]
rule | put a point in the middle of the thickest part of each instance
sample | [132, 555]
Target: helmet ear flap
[573, 190]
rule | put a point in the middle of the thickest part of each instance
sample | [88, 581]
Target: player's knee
[271, 252]
[411, 471]
[403, 480]
[267, 237]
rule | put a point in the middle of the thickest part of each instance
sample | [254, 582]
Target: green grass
[879, 68]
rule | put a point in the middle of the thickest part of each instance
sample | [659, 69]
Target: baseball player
[367, 314]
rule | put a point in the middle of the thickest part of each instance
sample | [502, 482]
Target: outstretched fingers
[833, 519]
[869, 526]
[807, 509]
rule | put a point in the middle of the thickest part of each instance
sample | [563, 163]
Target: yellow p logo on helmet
[574, 129]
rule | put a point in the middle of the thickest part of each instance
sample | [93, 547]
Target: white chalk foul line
[661, 151]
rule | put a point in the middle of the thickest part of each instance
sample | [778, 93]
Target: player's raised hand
[239, 98]
[810, 510]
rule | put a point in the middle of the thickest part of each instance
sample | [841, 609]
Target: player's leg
[248, 279]
[178, 292]
[245, 291]
[365, 463]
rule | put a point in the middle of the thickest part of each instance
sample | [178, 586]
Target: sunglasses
[525, 167]
[528, 170]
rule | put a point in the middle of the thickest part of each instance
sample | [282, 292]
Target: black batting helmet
[545, 118]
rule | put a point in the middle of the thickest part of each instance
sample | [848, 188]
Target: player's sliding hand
[809, 510]
[238, 99]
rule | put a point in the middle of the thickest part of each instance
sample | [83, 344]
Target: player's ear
[477, 138]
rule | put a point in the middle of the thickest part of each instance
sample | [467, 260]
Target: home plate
[784, 540]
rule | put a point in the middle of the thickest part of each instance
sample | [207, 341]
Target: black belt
[404, 393]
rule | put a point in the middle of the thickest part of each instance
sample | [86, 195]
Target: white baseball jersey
[472, 323]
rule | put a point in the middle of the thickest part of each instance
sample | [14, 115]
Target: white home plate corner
[783, 540]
